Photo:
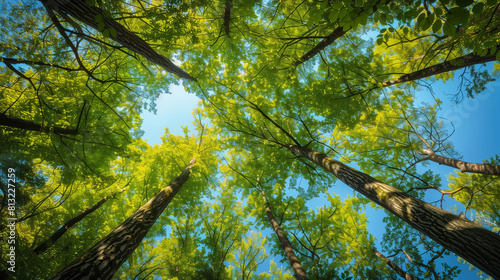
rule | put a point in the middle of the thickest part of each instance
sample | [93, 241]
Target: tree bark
[394, 266]
[463, 165]
[62, 230]
[105, 258]
[443, 67]
[227, 16]
[473, 243]
[30, 125]
[297, 268]
[79, 10]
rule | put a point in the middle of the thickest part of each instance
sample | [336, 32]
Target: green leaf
[112, 32]
[449, 29]
[100, 26]
[478, 8]
[498, 56]
[98, 18]
[464, 3]
[437, 26]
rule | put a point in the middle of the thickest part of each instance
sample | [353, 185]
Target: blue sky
[476, 138]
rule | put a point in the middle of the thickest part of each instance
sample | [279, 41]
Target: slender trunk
[79, 10]
[473, 243]
[30, 125]
[443, 67]
[395, 267]
[328, 40]
[337, 33]
[298, 270]
[227, 16]
[462, 165]
[62, 230]
[106, 257]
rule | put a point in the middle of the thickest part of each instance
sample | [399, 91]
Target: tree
[394, 266]
[462, 165]
[287, 248]
[106, 257]
[54, 237]
[100, 20]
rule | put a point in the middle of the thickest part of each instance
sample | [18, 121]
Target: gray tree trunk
[473, 243]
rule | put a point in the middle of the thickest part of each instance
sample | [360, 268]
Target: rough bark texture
[297, 268]
[395, 267]
[473, 243]
[30, 125]
[54, 237]
[79, 10]
[464, 166]
[443, 67]
[105, 257]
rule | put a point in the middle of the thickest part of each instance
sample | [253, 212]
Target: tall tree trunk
[79, 10]
[30, 125]
[462, 165]
[443, 67]
[298, 270]
[473, 243]
[227, 16]
[394, 266]
[106, 257]
[62, 230]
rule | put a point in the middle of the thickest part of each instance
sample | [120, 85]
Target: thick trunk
[473, 243]
[298, 270]
[464, 166]
[443, 67]
[29, 125]
[105, 257]
[79, 10]
[395, 267]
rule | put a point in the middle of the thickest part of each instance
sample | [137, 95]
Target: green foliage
[258, 94]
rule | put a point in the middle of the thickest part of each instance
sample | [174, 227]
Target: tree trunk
[298, 270]
[337, 33]
[473, 243]
[227, 16]
[62, 230]
[106, 257]
[462, 165]
[395, 267]
[30, 125]
[79, 10]
[443, 67]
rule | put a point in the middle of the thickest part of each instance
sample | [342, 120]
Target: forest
[320, 147]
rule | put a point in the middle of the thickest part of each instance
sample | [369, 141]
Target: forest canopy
[298, 100]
